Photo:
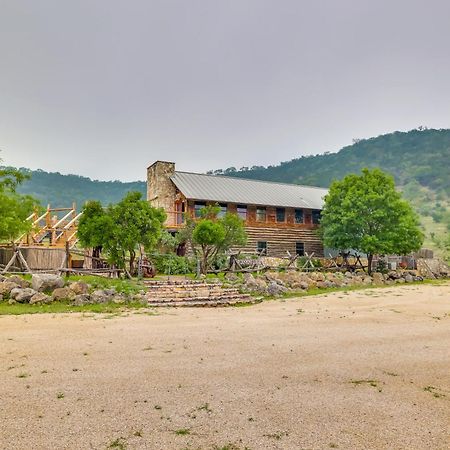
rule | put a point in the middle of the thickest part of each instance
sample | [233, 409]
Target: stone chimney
[160, 189]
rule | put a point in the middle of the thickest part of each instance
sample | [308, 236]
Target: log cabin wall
[279, 236]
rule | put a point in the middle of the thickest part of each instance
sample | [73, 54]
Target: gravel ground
[360, 370]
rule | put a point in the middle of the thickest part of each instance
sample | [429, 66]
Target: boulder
[40, 297]
[378, 278]
[19, 281]
[22, 295]
[231, 277]
[101, 296]
[276, 289]
[253, 284]
[81, 299]
[7, 286]
[46, 282]
[79, 287]
[63, 293]
[408, 278]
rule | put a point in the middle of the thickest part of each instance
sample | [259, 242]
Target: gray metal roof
[222, 189]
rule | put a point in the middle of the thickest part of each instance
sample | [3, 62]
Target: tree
[366, 213]
[95, 228]
[211, 236]
[14, 208]
[122, 229]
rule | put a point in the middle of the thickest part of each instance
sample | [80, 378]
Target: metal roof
[222, 189]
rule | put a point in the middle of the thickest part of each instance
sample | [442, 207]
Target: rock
[273, 276]
[252, 284]
[408, 278]
[348, 275]
[304, 285]
[276, 289]
[7, 286]
[79, 287]
[19, 281]
[81, 299]
[378, 278]
[101, 296]
[22, 295]
[231, 277]
[46, 282]
[63, 293]
[40, 297]
[367, 280]
[119, 299]
[400, 280]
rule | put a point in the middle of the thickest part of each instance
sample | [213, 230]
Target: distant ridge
[62, 190]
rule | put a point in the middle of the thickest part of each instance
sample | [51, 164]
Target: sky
[103, 88]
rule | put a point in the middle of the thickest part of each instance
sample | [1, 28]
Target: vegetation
[367, 214]
[14, 208]
[211, 236]
[121, 230]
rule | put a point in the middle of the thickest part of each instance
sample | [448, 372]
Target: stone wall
[161, 191]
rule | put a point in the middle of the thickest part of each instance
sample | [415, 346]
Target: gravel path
[363, 370]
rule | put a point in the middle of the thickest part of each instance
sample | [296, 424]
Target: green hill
[62, 190]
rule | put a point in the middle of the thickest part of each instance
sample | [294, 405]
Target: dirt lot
[359, 370]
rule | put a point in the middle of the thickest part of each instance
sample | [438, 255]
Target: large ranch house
[279, 218]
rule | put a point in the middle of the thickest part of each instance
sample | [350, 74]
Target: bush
[170, 264]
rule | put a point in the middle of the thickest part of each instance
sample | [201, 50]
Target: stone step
[205, 298]
[210, 303]
[193, 293]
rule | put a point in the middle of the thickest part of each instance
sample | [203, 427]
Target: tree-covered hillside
[420, 155]
[62, 190]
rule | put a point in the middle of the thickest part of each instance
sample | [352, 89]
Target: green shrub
[170, 264]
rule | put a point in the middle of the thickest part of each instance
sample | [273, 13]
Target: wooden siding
[281, 240]
[280, 236]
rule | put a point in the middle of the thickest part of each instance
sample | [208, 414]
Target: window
[281, 215]
[316, 216]
[223, 209]
[262, 248]
[299, 216]
[242, 211]
[198, 206]
[300, 248]
[180, 210]
[260, 214]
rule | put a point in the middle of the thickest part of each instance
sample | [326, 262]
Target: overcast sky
[103, 88]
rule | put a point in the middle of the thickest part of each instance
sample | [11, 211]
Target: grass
[118, 443]
[433, 390]
[65, 307]
[182, 431]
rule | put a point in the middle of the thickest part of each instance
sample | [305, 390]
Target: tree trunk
[132, 258]
[369, 263]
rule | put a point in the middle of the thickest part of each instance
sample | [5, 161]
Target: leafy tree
[95, 227]
[366, 213]
[137, 225]
[211, 236]
[122, 229]
[14, 208]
